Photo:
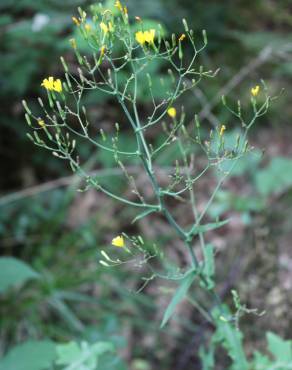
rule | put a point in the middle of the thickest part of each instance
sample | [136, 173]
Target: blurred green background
[59, 232]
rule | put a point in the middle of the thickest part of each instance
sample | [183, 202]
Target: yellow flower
[76, 21]
[171, 112]
[149, 36]
[146, 36]
[52, 85]
[140, 38]
[125, 10]
[119, 5]
[48, 83]
[222, 129]
[58, 85]
[104, 27]
[73, 43]
[255, 90]
[102, 50]
[118, 241]
[110, 27]
[41, 122]
[182, 37]
[87, 27]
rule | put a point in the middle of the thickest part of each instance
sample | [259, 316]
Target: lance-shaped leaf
[179, 295]
[209, 266]
[143, 214]
[197, 229]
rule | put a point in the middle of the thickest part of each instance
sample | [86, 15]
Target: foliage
[42, 355]
[134, 52]
[14, 272]
[64, 300]
[32, 355]
[280, 351]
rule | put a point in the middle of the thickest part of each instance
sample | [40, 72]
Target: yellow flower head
[255, 90]
[48, 83]
[222, 129]
[119, 5]
[73, 43]
[140, 38]
[102, 50]
[110, 27]
[58, 85]
[171, 112]
[118, 241]
[182, 37]
[146, 36]
[87, 27]
[149, 36]
[104, 27]
[52, 85]
[76, 21]
[41, 122]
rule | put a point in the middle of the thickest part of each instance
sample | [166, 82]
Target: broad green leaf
[260, 40]
[178, 296]
[226, 200]
[67, 353]
[196, 229]
[83, 356]
[31, 355]
[260, 361]
[276, 177]
[280, 348]
[248, 163]
[14, 272]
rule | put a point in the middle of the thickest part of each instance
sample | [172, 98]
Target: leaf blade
[178, 296]
[14, 272]
[197, 229]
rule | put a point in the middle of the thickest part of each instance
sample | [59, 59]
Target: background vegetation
[59, 232]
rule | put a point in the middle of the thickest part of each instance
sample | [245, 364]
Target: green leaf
[207, 357]
[83, 356]
[67, 353]
[260, 362]
[178, 296]
[31, 355]
[260, 40]
[231, 338]
[143, 214]
[197, 229]
[280, 348]
[209, 265]
[276, 177]
[14, 272]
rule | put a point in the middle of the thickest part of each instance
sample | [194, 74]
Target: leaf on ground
[82, 355]
[276, 177]
[280, 348]
[31, 355]
[14, 272]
